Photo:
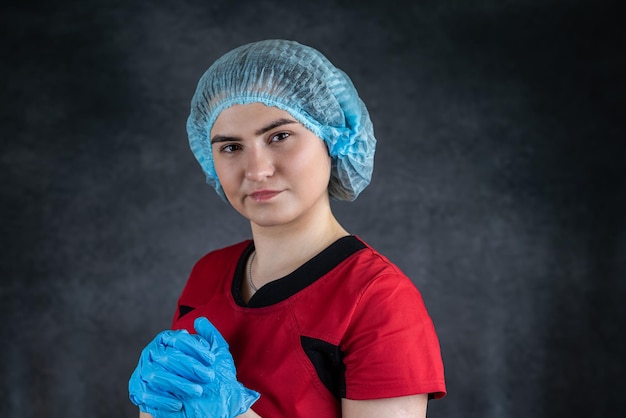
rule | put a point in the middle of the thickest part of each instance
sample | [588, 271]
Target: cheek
[319, 177]
[312, 163]
[225, 172]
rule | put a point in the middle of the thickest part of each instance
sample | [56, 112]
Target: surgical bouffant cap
[300, 80]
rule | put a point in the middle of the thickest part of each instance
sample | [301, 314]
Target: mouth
[263, 195]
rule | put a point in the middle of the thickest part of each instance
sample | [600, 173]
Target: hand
[174, 366]
[228, 397]
[181, 375]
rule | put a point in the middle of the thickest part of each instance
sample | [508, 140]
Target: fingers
[177, 366]
[167, 383]
[192, 345]
[207, 330]
[182, 364]
[189, 375]
[150, 400]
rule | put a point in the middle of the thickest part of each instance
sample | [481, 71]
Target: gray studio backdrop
[498, 188]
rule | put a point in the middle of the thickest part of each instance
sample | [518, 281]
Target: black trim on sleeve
[328, 362]
[305, 275]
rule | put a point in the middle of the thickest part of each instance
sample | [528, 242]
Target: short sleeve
[390, 347]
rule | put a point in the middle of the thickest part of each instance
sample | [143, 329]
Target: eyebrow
[269, 127]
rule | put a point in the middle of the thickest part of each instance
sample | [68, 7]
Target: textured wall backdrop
[499, 187]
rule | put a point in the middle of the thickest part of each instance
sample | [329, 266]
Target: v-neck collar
[305, 275]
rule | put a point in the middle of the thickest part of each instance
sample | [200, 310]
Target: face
[273, 170]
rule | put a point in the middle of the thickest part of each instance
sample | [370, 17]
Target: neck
[283, 248]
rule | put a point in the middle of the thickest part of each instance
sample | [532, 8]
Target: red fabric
[366, 306]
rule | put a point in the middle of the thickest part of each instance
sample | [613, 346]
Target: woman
[318, 323]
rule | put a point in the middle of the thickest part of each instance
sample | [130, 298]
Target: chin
[270, 221]
[272, 216]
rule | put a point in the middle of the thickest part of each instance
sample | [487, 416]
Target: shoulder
[390, 345]
[354, 270]
[384, 297]
[375, 269]
[364, 284]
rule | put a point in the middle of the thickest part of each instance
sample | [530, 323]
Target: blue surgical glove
[182, 375]
[228, 398]
[174, 366]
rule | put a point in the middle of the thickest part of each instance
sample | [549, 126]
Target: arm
[413, 406]
[248, 414]
[401, 407]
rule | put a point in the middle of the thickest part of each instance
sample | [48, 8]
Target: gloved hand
[180, 375]
[228, 397]
[173, 366]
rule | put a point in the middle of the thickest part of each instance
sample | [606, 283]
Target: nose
[259, 164]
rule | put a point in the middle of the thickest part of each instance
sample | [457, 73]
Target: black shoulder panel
[328, 362]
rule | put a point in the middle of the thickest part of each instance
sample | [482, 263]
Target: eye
[281, 136]
[230, 148]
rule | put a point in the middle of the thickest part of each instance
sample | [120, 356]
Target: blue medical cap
[300, 80]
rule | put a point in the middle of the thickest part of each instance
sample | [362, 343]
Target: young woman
[318, 323]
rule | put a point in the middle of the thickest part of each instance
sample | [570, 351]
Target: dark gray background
[499, 188]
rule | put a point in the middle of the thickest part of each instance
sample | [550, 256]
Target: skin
[296, 223]
[275, 173]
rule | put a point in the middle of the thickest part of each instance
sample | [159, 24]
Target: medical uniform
[346, 324]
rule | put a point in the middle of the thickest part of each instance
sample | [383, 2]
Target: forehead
[247, 117]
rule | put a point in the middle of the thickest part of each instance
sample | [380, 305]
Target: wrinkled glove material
[182, 375]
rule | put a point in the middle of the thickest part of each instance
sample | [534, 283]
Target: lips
[263, 195]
